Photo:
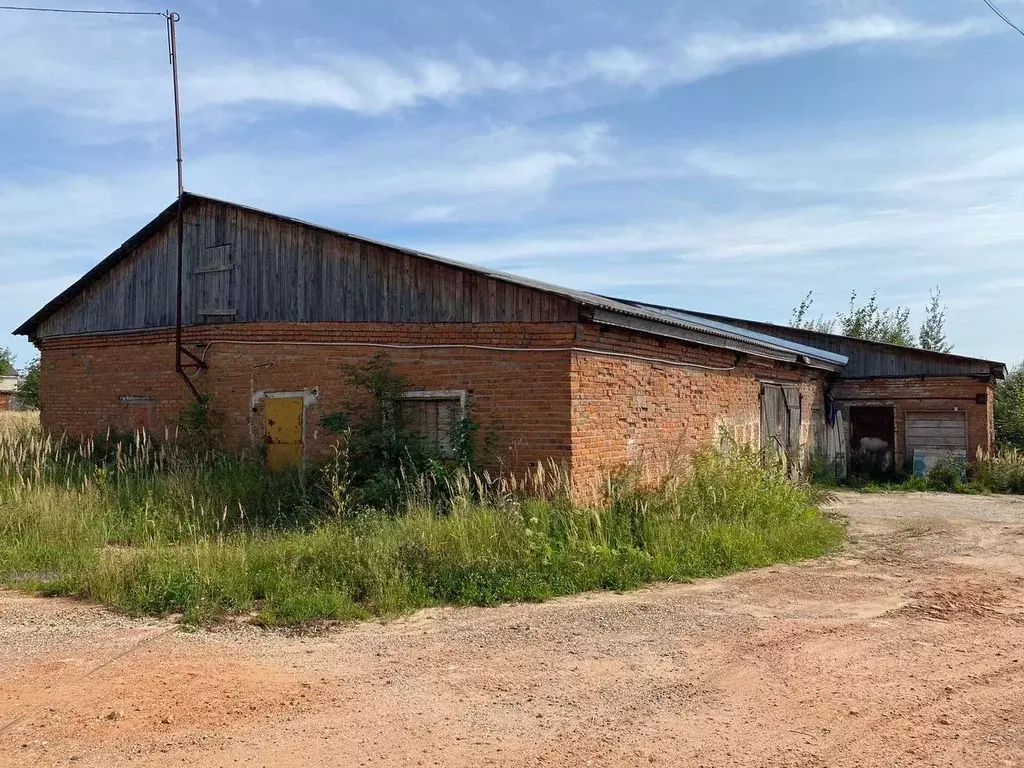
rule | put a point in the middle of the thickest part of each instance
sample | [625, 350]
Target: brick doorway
[872, 439]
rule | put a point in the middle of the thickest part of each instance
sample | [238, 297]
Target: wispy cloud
[126, 81]
[761, 241]
[351, 82]
[704, 55]
[437, 176]
[960, 162]
[432, 176]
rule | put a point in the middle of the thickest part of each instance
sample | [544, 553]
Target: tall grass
[153, 528]
[1002, 472]
[18, 422]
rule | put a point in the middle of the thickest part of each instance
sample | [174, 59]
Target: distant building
[8, 385]
[275, 309]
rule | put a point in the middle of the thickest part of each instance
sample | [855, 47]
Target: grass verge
[151, 529]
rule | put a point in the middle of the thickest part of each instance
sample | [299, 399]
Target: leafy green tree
[6, 360]
[867, 320]
[933, 330]
[873, 323]
[1009, 409]
[801, 317]
[28, 387]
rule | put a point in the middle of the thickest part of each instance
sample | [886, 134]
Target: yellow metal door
[284, 432]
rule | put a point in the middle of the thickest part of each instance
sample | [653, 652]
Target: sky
[726, 157]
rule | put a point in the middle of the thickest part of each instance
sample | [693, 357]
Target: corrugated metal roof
[941, 361]
[793, 346]
[772, 347]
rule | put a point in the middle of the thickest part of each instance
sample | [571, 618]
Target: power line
[78, 10]
[1002, 16]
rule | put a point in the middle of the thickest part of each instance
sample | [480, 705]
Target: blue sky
[725, 156]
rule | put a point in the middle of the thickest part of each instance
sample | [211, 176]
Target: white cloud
[434, 176]
[703, 55]
[51, 207]
[964, 164]
[762, 240]
[117, 74]
[431, 176]
[349, 82]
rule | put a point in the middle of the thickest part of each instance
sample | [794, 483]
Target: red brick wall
[599, 411]
[5, 401]
[521, 397]
[654, 415]
[952, 393]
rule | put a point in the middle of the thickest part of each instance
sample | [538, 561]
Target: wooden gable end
[241, 265]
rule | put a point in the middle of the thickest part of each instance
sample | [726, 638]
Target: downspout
[172, 46]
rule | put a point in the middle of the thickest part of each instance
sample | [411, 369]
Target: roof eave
[999, 369]
[669, 328]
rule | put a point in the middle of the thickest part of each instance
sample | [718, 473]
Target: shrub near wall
[158, 529]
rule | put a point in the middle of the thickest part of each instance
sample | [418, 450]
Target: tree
[870, 322]
[1009, 409]
[28, 388]
[867, 320]
[6, 360]
[933, 329]
[801, 317]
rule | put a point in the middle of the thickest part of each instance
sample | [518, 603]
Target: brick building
[8, 386]
[273, 311]
[914, 400]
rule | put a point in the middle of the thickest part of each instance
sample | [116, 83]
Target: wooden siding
[867, 359]
[138, 293]
[244, 266]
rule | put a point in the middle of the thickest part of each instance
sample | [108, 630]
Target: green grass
[1002, 472]
[152, 529]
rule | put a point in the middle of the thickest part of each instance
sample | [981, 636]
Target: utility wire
[1002, 16]
[77, 10]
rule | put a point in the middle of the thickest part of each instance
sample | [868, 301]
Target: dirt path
[908, 649]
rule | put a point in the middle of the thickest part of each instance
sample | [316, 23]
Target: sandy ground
[907, 649]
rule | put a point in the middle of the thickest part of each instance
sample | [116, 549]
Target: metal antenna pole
[172, 49]
[172, 46]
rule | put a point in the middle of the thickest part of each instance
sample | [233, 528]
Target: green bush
[385, 456]
[947, 475]
[824, 471]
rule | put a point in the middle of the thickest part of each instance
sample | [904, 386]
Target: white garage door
[944, 432]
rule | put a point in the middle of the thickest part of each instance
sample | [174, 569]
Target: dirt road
[907, 649]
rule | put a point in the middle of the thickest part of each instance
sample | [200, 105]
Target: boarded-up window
[434, 416]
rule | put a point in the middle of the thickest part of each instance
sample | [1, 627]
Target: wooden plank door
[780, 422]
[774, 420]
[284, 432]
